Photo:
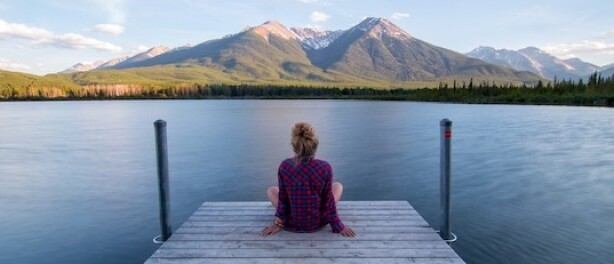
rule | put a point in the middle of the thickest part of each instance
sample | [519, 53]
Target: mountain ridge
[537, 61]
[374, 50]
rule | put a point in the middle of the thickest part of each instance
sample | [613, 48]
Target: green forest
[596, 91]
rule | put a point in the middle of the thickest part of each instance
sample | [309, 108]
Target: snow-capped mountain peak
[150, 53]
[312, 38]
[158, 50]
[113, 62]
[273, 27]
[535, 60]
[83, 66]
[377, 27]
[368, 23]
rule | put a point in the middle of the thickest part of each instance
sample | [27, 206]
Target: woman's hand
[347, 232]
[269, 230]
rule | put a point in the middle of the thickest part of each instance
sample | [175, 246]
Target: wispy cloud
[140, 48]
[114, 8]
[584, 47]
[76, 41]
[6, 64]
[22, 31]
[398, 15]
[308, 1]
[112, 29]
[610, 33]
[317, 16]
[45, 38]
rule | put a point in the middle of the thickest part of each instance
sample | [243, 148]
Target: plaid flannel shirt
[306, 202]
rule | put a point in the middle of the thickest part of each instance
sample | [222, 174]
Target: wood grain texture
[229, 232]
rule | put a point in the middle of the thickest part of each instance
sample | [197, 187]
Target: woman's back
[305, 195]
[305, 198]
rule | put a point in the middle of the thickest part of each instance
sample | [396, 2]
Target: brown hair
[304, 141]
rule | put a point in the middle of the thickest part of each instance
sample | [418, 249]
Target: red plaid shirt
[306, 202]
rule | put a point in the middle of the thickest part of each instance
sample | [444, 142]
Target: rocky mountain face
[83, 66]
[374, 50]
[148, 54]
[316, 39]
[537, 61]
[377, 49]
[117, 62]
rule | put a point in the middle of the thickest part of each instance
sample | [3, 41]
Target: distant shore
[597, 91]
[522, 96]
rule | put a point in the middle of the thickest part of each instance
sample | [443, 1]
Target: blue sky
[49, 36]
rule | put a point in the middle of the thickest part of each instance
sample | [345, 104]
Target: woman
[306, 197]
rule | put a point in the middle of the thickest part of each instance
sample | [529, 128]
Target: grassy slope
[19, 80]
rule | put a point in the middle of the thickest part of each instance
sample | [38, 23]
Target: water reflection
[531, 184]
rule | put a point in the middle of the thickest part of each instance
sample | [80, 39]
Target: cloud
[45, 38]
[114, 8]
[610, 33]
[22, 31]
[11, 66]
[318, 16]
[398, 15]
[308, 1]
[112, 29]
[76, 41]
[140, 48]
[584, 47]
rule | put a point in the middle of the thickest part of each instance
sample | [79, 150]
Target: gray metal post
[163, 188]
[445, 230]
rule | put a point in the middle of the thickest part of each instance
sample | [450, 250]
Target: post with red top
[163, 187]
[445, 230]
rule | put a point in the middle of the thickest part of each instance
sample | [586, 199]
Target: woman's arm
[282, 207]
[284, 201]
[330, 207]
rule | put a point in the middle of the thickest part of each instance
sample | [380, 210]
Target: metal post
[445, 230]
[163, 188]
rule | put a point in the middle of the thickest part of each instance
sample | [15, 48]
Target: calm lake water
[531, 184]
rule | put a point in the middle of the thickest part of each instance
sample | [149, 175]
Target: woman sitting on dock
[306, 198]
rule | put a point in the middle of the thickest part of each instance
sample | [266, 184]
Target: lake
[78, 182]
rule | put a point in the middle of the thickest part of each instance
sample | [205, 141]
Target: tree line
[597, 90]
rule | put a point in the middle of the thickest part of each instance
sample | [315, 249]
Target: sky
[43, 37]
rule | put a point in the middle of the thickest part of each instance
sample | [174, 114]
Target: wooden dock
[229, 232]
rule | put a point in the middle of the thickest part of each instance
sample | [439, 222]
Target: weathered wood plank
[341, 203]
[241, 218]
[256, 229]
[271, 211]
[229, 232]
[274, 244]
[352, 223]
[322, 235]
[306, 253]
[155, 260]
[339, 207]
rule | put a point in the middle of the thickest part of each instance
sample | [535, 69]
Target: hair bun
[304, 140]
[303, 130]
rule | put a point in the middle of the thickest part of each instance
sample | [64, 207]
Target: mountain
[83, 66]
[112, 62]
[118, 62]
[314, 38]
[373, 52]
[379, 50]
[269, 52]
[148, 54]
[535, 60]
[18, 80]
